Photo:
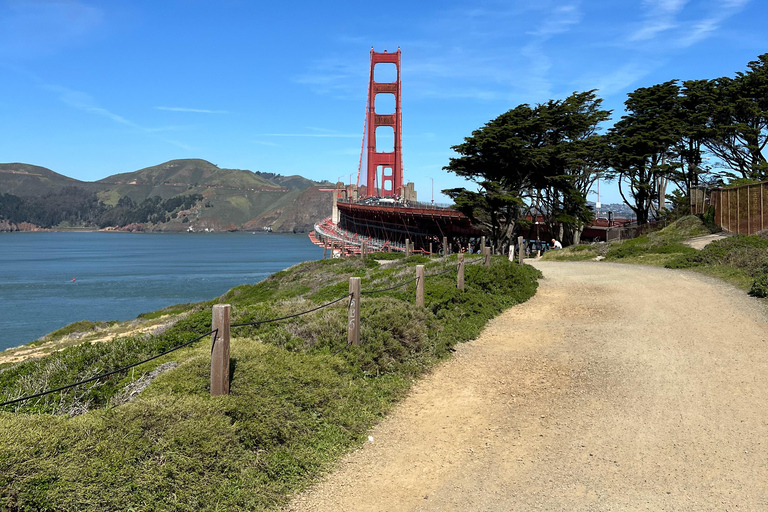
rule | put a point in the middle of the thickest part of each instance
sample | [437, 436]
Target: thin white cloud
[86, 103]
[709, 25]
[194, 110]
[664, 15]
[559, 21]
[660, 16]
[620, 79]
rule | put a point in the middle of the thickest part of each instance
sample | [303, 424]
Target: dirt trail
[616, 387]
[701, 242]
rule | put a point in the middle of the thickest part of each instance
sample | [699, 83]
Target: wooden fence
[741, 210]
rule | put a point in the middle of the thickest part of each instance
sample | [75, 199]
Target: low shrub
[81, 327]
[674, 248]
[387, 256]
[760, 285]
[745, 253]
[299, 396]
[629, 248]
[683, 261]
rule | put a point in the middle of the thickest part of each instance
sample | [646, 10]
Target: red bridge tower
[385, 169]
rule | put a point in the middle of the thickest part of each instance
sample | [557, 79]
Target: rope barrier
[442, 273]
[259, 322]
[216, 333]
[342, 349]
[36, 395]
[404, 283]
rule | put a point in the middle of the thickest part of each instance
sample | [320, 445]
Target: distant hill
[26, 180]
[191, 172]
[232, 198]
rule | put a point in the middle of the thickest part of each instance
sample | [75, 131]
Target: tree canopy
[543, 159]
[529, 156]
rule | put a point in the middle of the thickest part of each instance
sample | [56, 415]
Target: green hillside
[195, 172]
[31, 180]
[232, 198]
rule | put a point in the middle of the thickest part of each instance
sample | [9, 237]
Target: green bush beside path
[298, 398]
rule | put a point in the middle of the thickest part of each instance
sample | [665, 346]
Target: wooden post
[511, 252]
[407, 247]
[445, 246]
[220, 350]
[520, 250]
[487, 255]
[482, 245]
[460, 276]
[430, 249]
[325, 249]
[420, 285]
[363, 248]
[353, 319]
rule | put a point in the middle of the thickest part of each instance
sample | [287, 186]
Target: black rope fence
[100, 376]
[216, 334]
[259, 322]
[450, 269]
[380, 290]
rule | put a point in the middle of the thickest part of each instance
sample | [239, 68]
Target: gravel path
[701, 242]
[616, 387]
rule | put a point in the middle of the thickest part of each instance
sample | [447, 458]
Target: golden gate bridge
[384, 212]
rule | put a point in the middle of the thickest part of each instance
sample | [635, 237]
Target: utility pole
[433, 189]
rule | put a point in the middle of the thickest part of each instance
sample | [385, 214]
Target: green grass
[739, 260]
[82, 326]
[574, 253]
[298, 401]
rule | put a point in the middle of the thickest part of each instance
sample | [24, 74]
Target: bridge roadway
[420, 223]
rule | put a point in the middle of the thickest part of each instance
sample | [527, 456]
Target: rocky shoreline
[8, 227]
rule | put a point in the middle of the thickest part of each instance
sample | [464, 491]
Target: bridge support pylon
[384, 169]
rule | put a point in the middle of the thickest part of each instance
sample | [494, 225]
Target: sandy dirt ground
[131, 328]
[701, 242]
[616, 387]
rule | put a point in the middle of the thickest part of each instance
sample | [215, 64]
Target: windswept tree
[694, 113]
[497, 159]
[739, 121]
[547, 154]
[643, 147]
[575, 159]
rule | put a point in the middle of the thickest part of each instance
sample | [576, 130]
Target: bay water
[51, 279]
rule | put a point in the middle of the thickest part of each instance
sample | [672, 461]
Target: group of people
[534, 246]
[540, 247]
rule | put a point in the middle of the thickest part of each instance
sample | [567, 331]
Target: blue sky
[90, 89]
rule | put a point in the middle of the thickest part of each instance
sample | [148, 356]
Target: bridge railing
[401, 204]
